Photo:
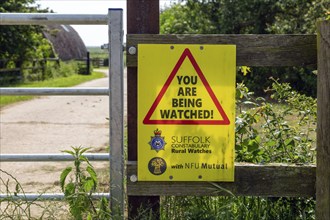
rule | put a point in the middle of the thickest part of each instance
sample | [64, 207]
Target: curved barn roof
[66, 42]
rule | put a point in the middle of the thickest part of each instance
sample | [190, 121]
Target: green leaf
[84, 158]
[253, 145]
[68, 151]
[63, 176]
[92, 173]
[89, 184]
[83, 150]
[69, 189]
[271, 143]
[289, 142]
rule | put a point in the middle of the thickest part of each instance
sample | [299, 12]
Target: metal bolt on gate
[114, 20]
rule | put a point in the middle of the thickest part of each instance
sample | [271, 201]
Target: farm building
[66, 42]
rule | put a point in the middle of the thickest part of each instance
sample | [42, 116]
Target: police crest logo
[157, 166]
[157, 142]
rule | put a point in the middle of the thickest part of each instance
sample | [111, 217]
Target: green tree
[243, 17]
[21, 43]
[251, 17]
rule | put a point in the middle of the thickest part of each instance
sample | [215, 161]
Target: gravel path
[50, 125]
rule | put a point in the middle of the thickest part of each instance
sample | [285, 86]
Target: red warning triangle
[187, 54]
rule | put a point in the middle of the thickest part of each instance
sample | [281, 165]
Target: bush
[49, 70]
[282, 130]
[302, 80]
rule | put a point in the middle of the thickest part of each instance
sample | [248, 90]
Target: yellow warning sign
[186, 110]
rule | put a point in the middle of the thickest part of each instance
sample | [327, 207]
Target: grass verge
[69, 81]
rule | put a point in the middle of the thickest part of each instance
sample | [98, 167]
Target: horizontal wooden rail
[252, 50]
[273, 180]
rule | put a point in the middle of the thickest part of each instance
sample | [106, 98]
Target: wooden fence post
[323, 122]
[142, 18]
[88, 64]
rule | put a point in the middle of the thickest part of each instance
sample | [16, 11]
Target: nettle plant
[78, 190]
[280, 130]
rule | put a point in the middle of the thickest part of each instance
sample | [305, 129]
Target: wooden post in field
[88, 64]
[323, 123]
[142, 18]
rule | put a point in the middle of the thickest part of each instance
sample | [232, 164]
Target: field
[97, 52]
[57, 82]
